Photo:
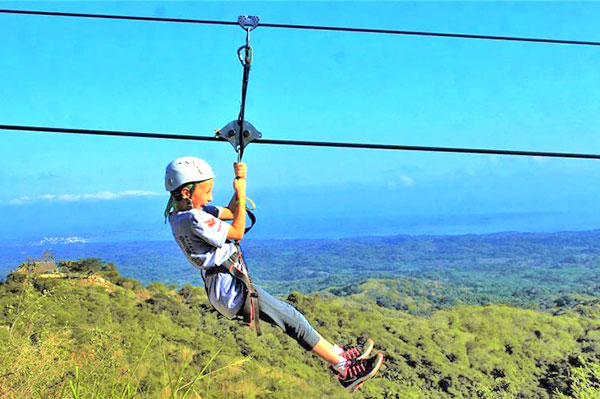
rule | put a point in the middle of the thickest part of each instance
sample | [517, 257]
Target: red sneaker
[359, 371]
[353, 352]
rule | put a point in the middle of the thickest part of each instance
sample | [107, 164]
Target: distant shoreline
[161, 260]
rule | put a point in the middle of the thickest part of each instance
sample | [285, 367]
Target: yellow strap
[250, 205]
[253, 205]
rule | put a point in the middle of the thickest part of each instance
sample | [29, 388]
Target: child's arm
[238, 227]
[227, 213]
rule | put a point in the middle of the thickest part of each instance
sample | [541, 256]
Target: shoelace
[356, 369]
[350, 352]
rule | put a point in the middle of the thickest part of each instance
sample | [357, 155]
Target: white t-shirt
[203, 239]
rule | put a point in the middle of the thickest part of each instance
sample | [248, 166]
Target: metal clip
[245, 59]
[231, 133]
[248, 22]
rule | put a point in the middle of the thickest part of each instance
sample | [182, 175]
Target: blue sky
[183, 78]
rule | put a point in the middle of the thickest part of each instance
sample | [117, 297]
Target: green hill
[87, 332]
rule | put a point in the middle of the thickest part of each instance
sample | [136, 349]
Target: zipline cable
[43, 129]
[307, 27]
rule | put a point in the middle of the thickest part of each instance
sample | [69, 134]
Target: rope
[42, 129]
[308, 27]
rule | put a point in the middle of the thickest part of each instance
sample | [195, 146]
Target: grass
[50, 369]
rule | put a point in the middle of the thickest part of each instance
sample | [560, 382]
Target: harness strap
[247, 23]
[250, 311]
[252, 218]
[243, 105]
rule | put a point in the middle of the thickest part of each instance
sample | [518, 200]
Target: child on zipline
[208, 244]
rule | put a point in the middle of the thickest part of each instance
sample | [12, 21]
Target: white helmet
[186, 170]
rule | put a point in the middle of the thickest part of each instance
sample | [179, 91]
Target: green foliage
[92, 336]
[584, 381]
[529, 270]
[88, 265]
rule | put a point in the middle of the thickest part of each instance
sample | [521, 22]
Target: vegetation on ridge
[88, 332]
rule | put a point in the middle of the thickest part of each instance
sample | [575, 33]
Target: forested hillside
[524, 269]
[87, 332]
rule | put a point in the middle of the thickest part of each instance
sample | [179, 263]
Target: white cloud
[401, 181]
[19, 201]
[101, 196]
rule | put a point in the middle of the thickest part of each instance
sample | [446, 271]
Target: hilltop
[88, 330]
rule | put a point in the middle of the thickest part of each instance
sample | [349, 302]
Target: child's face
[203, 193]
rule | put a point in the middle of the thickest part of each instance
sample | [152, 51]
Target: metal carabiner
[245, 59]
[248, 23]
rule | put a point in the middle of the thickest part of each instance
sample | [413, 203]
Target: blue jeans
[285, 316]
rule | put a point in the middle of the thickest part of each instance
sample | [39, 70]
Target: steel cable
[173, 136]
[305, 27]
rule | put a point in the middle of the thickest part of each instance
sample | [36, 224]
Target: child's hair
[174, 203]
[177, 193]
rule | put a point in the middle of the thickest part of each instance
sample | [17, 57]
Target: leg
[290, 320]
[325, 351]
[351, 373]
